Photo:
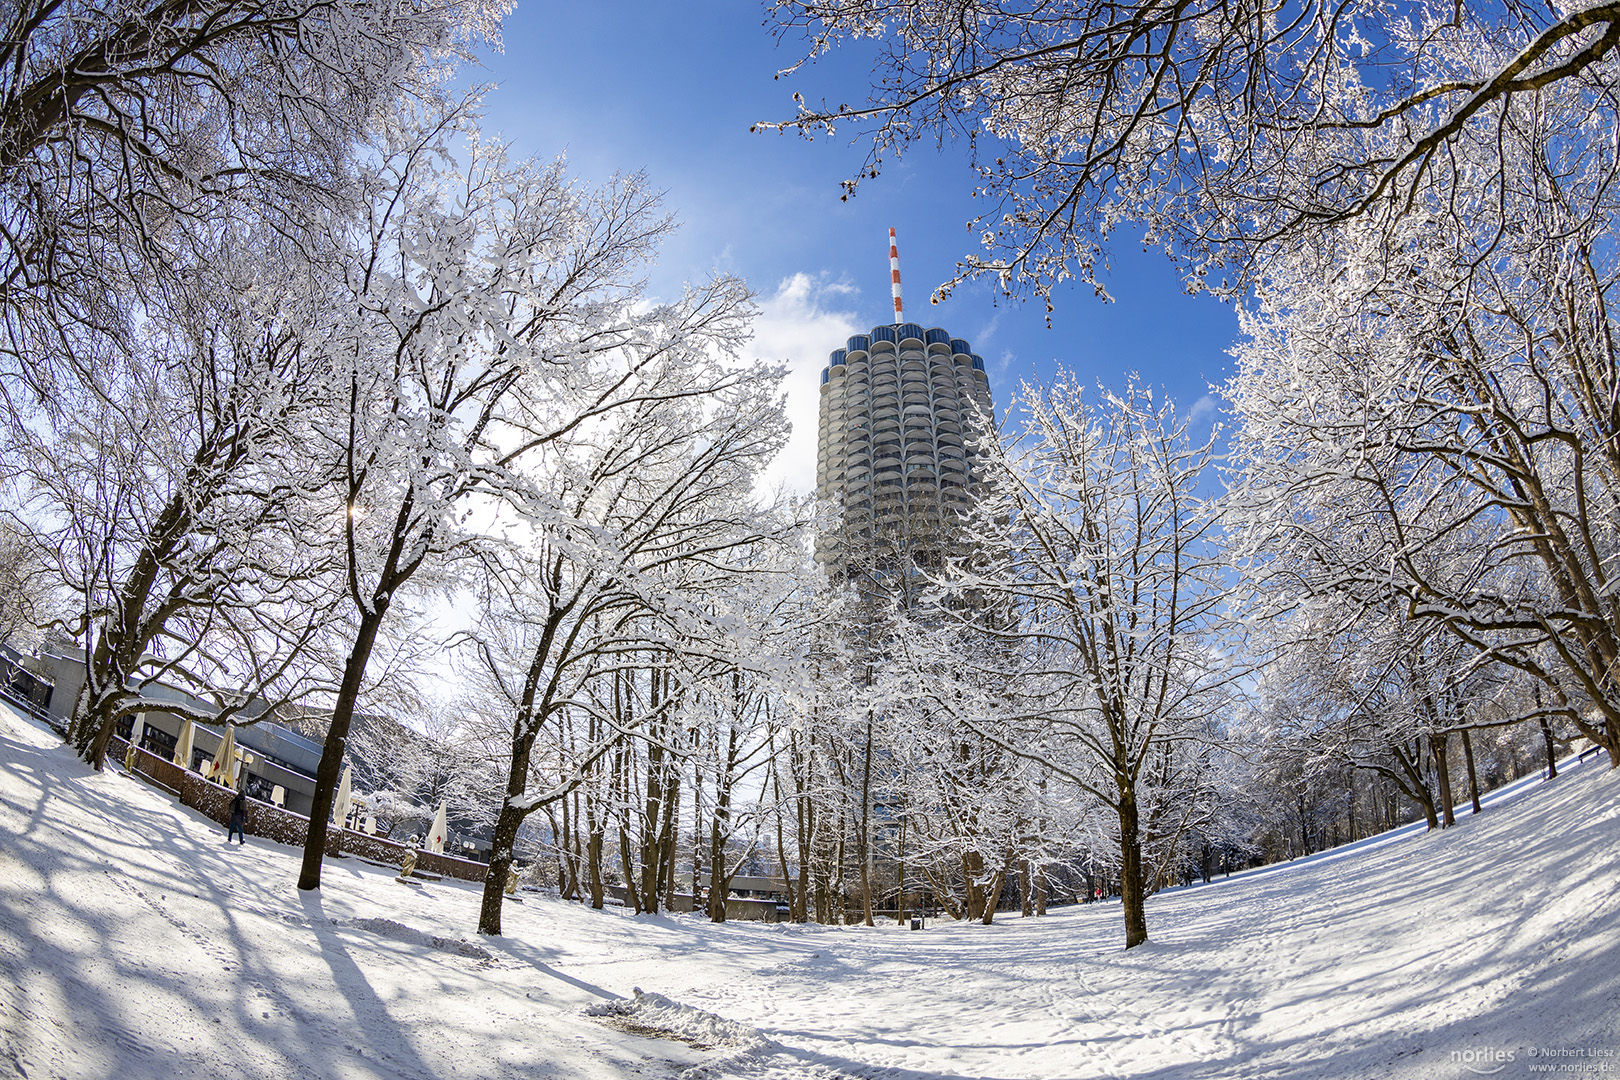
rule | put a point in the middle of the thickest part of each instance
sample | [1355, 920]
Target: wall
[284, 826]
[67, 676]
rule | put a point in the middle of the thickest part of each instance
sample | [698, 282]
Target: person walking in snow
[238, 819]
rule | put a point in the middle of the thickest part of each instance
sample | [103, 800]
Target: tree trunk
[1552, 750]
[1442, 774]
[1415, 785]
[972, 891]
[576, 849]
[99, 720]
[507, 823]
[1473, 778]
[719, 833]
[1428, 803]
[625, 800]
[992, 896]
[593, 864]
[781, 839]
[653, 809]
[671, 839]
[559, 842]
[1130, 872]
[117, 650]
[651, 833]
[1350, 782]
[500, 865]
[337, 741]
[596, 830]
[805, 841]
[632, 894]
[901, 909]
[562, 842]
[866, 887]
[840, 896]
[943, 893]
[863, 844]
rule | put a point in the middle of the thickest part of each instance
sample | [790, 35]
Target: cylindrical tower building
[894, 466]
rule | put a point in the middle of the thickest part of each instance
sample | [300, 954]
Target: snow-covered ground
[134, 944]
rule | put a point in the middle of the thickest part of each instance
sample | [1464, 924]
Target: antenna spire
[894, 275]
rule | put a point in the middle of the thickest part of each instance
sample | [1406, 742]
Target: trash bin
[781, 913]
[916, 924]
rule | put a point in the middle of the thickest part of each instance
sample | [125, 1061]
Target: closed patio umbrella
[135, 730]
[219, 770]
[435, 838]
[340, 805]
[182, 748]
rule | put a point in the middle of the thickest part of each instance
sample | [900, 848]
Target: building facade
[900, 409]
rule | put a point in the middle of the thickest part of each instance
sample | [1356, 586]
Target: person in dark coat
[238, 819]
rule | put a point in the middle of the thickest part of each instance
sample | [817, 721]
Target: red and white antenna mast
[894, 275]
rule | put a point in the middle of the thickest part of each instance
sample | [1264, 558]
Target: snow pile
[656, 1014]
[744, 1050]
[739, 1052]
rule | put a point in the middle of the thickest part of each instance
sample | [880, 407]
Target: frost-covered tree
[635, 524]
[811, 807]
[495, 313]
[1358, 689]
[29, 596]
[422, 754]
[973, 811]
[1223, 130]
[1437, 429]
[1093, 607]
[740, 717]
[1363, 717]
[168, 177]
[162, 484]
[133, 131]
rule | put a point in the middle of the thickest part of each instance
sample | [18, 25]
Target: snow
[134, 944]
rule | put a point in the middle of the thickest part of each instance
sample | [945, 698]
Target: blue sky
[672, 89]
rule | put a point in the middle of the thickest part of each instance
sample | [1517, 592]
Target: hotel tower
[900, 406]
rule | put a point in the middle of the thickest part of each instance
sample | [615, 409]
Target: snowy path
[134, 944]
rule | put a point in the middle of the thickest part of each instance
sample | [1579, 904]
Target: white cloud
[800, 325]
[1203, 413]
[987, 333]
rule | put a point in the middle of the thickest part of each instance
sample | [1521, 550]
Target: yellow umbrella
[219, 770]
[182, 749]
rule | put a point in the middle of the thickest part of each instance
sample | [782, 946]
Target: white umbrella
[182, 749]
[435, 839]
[340, 806]
[219, 770]
[137, 729]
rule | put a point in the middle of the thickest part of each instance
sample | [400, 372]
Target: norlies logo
[1482, 1060]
